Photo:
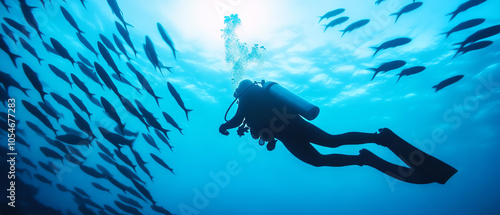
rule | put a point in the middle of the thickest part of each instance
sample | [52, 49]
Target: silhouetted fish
[8, 81]
[178, 99]
[162, 138]
[57, 144]
[106, 158]
[43, 179]
[6, 49]
[51, 153]
[391, 44]
[49, 48]
[28, 16]
[131, 109]
[355, 26]
[61, 74]
[160, 210]
[127, 172]
[62, 188]
[149, 139]
[50, 111]
[475, 46]
[104, 149]
[336, 22]
[465, 6]
[107, 57]
[464, 25]
[83, 125]
[9, 33]
[100, 187]
[331, 14]
[72, 159]
[144, 82]
[125, 81]
[144, 191]
[84, 60]
[118, 12]
[30, 49]
[128, 209]
[109, 44]
[141, 164]
[33, 110]
[91, 171]
[69, 130]
[61, 50]
[120, 46]
[111, 112]
[124, 158]
[129, 201]
[161, 162]
[47, 167]
[166, 38]
[82, 192]
[35, 128]
[28, 162]
[149, 48]
[76, 152]
[406, 9]
[17, 26]
[33, 78]
[479, 35]
[111, 210]
[86, 43]
[115, 139]
[62, 102]
[81, 85]
[89, 73]
[126, 36]
[410, 71]
[385, 67]
[150, 119]
[447, 82]
[171, 120]
[106, 79]
[70, 19]
[73, 140]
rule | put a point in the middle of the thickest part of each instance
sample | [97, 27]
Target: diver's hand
[223, 130]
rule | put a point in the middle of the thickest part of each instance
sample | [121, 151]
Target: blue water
[215, 174]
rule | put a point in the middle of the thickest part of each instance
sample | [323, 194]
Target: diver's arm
[232, 123]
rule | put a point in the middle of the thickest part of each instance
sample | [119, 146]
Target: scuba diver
[271, 112]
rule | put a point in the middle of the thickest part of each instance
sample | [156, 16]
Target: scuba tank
[295, 102]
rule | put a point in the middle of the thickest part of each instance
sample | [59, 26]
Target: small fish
[104, 171]
[57, 144]
[479, 35]
[91, 171]
[62, 188]
[131, 109]
[61, 50]
[9, 33]
[86, 43]
[100, 187]
[149, 48]
[35, 128]
[72, 159]
[81, 85]
[135, 193]
[89, 73]
[144, 191]
[73, 140]
[106, 158]
[118, 12]
[47, 168]
[115, 139]
[120, 46]
[33, 78]
[125, 159]
[391, 44]
[28, 162]
[83, 125]
[167, 39]
[111, 210]
[50, 111]
[465, 6]
[104, 149]
[70, 19]
[160, 210]
[62, 102]
[106, 79]
[43, 179]
[150, 119]
[6, 49]
[28, 16]
[73, 131]
[111, 112]
[84, 60]
[125, 81]
[162, 138]
[161, 162]
[149, 139]
[109, 44]
[81, 192]
[144, 82]
[172, 122]
[107, 57]
[336, 22]
[128, 209]
[447, 82]
[475, 46]
[464, 25]
[406, 9]
[51, 153]
[331, 14]
[33, 110]
[178, 99]
[8, 81]
[126, 36]
[385, 67]
[355, 26]
[17, 26]
[30, 49]
[129, 201]
[49, 48]
[411, 71]
[127, 172]
[76, 152]
[141, 164]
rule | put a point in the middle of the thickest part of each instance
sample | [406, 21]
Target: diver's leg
[416, 158]
[410, 175]
[304, 151]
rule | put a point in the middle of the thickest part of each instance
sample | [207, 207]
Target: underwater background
[220, 42]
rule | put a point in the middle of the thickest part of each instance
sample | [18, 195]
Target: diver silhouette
[271, 112]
